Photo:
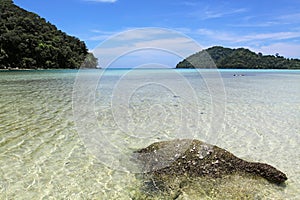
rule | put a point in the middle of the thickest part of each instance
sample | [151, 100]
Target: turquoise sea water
[68, 134]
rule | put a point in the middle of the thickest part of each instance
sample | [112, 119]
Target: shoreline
[221, 69]
[41, 69]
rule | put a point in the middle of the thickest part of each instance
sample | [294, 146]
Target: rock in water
[196, 158]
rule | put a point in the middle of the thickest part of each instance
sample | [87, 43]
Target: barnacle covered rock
[196, 158]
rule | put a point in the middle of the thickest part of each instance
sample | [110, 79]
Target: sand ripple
[43, 157]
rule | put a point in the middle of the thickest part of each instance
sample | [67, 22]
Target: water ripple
[42, 156]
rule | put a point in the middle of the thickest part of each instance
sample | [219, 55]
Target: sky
[267, 26]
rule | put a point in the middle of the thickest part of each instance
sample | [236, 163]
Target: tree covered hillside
[240, 58]
[29, 41]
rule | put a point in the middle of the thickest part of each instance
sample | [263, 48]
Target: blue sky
[263, 26]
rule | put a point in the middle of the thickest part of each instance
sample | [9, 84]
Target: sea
[70, 134]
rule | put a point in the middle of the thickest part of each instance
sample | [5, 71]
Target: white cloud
[215, 14]
[257, 24]
[208, 13]
[216, 35]
[144, 45]
[138, 34]
[271, 36]
[188, 3]
[100, 35]
[154, 39]
[285, 49]
[103, 1]
[235, 38]
[289, 18]
[267, 43]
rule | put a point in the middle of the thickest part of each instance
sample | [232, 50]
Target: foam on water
[42, 156]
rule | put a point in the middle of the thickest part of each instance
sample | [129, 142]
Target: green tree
[28, 41]
[89, 61]
[240, 58]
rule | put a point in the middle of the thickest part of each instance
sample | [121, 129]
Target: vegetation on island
[29, 41]
[240, 58]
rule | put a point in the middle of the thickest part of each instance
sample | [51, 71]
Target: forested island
[240, 58]
[28, 41]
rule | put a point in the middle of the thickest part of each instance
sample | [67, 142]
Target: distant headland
[240, 58]
[28, 41]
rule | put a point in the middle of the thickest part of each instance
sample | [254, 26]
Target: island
[28, 41]
[240, 58]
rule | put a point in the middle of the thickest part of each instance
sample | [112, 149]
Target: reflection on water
[43, 157]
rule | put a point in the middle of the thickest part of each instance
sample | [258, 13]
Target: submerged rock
[195, 158]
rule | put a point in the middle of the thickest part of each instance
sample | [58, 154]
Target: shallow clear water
[68, 134]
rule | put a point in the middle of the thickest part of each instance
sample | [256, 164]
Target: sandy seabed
[44, 155]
